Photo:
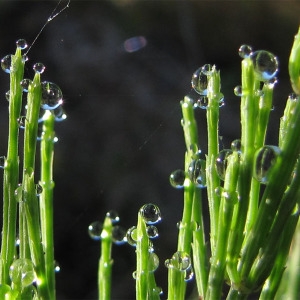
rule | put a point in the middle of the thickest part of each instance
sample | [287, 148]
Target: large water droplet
[177, 178]
[22, 44]
[39, 68]
[150, 213]
[180, 261]
[189, 274]
[22, 272]
[202, 102]
[6, 63]
[236, 145]
[153, 262]
[265, 158]
[113, 215]
[95, 230]
[199, 81]
[265, 64]
[51, 95]
[152, 231]
[245, 51]
[118, 235]
[238, 91]
[25, 84]
[221, 162]
[196, 172]
[131, 236]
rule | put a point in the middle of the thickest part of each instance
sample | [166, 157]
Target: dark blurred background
[123, 67]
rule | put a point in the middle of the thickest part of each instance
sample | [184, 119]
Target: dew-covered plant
[27, 265]
[253, 194]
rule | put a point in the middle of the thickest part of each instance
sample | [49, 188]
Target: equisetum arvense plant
[253, 194]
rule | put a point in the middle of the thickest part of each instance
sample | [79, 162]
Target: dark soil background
[123, 137]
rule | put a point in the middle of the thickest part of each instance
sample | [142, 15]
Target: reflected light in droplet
[135, 43]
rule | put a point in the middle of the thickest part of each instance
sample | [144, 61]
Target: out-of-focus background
[123, 66]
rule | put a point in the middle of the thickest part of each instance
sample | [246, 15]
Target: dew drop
[113, 215]
[24, 58]
[95, 230]
[202, 102]
[2, 162]
[118, 235]
[39, 68]
[56, 267]
[180, 261]
[196, 172]
[22, 272]
[134, 275]
[271, 83]
[265, 64]
[6, 63]
[238, 91]
[264, 159]
[131, 236]
[19, 193]
[189, 274]
[59, 114]
[157, 290]
[236, 145]
[199, 81]
[153, 262]
[21, 122]
[177, 178]
[245, 51]
[38, 189]
[51, 95]
[221, 162]
[152, 231]
[7, 95]
[22, 44]
[25, 84]
[150, 213]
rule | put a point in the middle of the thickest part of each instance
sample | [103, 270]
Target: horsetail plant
[253, 192]
[27, 250]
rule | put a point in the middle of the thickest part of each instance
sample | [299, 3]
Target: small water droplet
[131, 236]
[39, 68]
[202, 102]
[134, 275]
[153, 262]
[56, 267]
[177, 178]
[6, 63]
[25, 84]
[22, 272]
[22, 122]
[59, 114]
[271, 83]
[7, 95]
[238, 91]
[199, 81]
[265, 64]
[189, 274]
[118, 235]
[245, 51]
[38, 189]
[180, 261]
[114, 216]
[221, 162]
[150, 213]
[24, 58]
[265, 158]
[51, 95]
[197, 173]
[152, 231]
[2, 162]
[236, 145]
[19, 193]
[95, 229]
[157, 290]
[22, 44]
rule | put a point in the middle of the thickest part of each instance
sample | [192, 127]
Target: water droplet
[265, 158]
[189, 274]
[6, 63]
[271, 83]
[152, 232]
[221, 162]
[180, 261]
[59, 114]
[2, 162]
[56, 267]
[199, 81]
[207, 69]
[19, 193]
[157, 290]
[150, 213]
[22, 122]
[236, 145]
[24, 58]
[134, 275]
[265, 64]
[118, 235]
[38, 189]
[153, 262]
[7, 95]
[39, 68]
[51, 95]
[293, 97]
[95, 230]
[131, 236]
[202, 102]
[245, 51]
[196, 172]
[22, 44]
[238, 91]
[25, 84]
[177, 178]
[113, 215]
[22, 273]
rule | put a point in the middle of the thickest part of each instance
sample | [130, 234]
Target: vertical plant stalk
[46, 198]
[105, 262]
[11, 168]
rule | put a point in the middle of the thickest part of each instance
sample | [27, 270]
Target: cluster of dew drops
[265, 68]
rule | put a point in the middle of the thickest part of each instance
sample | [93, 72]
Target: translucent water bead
[6, 63]
[22, 272]
[39, 68]
[25, 84]
[245, 51]
[95, 230]
[113, 215]
[196, 172]
[22, 44]
[200, 80]
[152, 231]
[150, 213]
[221, 162]
[51, 95]
[118, 235]
[131, 236]
[264, 159]
[265, 64]
[177, 178]
[180, 261]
